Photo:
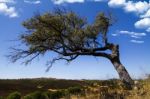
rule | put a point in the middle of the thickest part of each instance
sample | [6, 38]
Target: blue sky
[131, 32]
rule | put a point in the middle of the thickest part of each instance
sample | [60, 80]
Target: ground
[75, 89]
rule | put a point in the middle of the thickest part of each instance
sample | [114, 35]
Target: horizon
[131, 32]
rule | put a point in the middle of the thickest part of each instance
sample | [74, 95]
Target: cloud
[32, 2]
[130, 6]
[116, 3]
[137, 7]
[114, 34]
[8, 11]
[148, 29]
[143, 23]
[7, 1]
[135, 35]
[147, 14]
[67, 1]
[140, 8]
[58, 2]
[137, 41]
[98, 0]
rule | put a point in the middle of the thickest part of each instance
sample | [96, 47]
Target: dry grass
[140, 91]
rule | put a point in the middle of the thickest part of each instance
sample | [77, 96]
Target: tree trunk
[123, 73]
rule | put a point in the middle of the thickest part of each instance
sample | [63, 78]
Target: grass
[76, 89]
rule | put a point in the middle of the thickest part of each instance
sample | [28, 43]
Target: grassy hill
[85, 89]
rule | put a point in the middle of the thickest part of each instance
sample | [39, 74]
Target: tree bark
[122, 72]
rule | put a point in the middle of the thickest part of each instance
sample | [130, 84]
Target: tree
[69, 35]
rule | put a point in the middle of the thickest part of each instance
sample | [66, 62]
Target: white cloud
[132, 34]
[114, 34]
[140, 8]
[137, 7]
[135, 35]
[98, 0]
[147, 14]
[143, 23]
[32, 2]
[7, 1]
[130, 6]
[137, 41]
[116, 3]
[67, 1]
[148, 29]
[8, 11]
[58, 2]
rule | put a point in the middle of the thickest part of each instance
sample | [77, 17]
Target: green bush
[55, 95]
[1, 97]
[36, 95]
[74, 90]
[14, 95]
[27, 97]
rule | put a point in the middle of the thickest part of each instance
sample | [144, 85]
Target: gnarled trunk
[122, 72]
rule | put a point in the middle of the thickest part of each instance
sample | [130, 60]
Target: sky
[131, 31]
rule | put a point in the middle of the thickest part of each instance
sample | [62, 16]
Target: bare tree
[70, 36]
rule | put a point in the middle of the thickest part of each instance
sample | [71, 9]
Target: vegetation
[87, 89]
[69, 36]
[14, 95]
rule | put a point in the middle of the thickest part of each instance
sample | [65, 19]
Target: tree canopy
[65, 33]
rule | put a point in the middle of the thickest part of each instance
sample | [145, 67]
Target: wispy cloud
[7, 1]
[116, 3]
[67, 1]
[135, 35]
[137, 41]
[32, 2]
[58, 2]
[6, 10]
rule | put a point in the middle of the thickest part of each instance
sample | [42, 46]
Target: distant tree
[70, 36]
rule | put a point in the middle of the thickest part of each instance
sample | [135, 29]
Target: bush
[55, 95]
[14, 95]
[74, 90]
[27, 97]
[36, 95]
[1, 97]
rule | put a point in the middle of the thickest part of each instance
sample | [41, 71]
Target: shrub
[1, 97]
[55, 95]
[14, 95]
[27, 97]
[36, 95]
[74, 90]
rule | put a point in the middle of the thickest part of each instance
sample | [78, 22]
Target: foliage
[36, 95]
[65, 33]
[55, 95]
[74, 90]
[14, 95]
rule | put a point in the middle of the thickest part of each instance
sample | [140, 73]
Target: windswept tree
[70, 36]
